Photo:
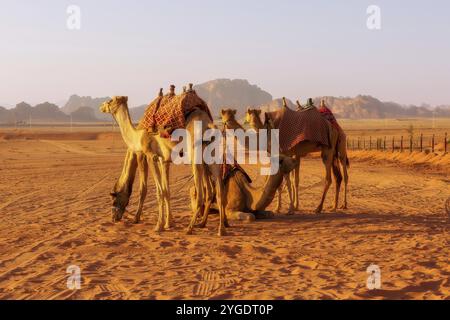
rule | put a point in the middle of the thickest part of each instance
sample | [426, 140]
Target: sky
[290, 48]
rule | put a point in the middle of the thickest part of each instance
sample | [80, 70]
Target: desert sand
[54, 196]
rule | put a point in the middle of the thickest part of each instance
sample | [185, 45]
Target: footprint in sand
[211, 282]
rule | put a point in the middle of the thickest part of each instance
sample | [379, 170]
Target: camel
[301, 150]
[247, 202]
[229, 121]
[158, 150]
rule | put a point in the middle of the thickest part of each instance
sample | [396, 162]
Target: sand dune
[54, 196]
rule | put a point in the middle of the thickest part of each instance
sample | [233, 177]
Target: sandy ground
[54, 196]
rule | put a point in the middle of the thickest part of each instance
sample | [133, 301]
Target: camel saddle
[171, 111]
[299, 126]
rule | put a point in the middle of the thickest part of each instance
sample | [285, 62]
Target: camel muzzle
[117, 215]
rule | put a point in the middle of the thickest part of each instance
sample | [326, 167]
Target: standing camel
[153, 145]
[301, 150]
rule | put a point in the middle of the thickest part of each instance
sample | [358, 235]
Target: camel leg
[287, 178]
[296, 183]
[165, 168]
[338, 180]
[209, 199]
[156, 173]
[344, 163]
[279, 199]
[216, 172]
[327, 158]
[143, 175]
[241, 216]
[198, 170]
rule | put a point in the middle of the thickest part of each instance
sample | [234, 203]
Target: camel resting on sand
[243, 201]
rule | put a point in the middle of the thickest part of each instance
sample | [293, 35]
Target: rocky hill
[225, 93]
[76, 102]
[367, 107]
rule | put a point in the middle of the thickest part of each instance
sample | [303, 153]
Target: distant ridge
[76, 102]
[222, 93]
[237, 93]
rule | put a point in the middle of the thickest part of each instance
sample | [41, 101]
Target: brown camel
[301, 150]
[229, 121]
[153, 146]
[247, 202]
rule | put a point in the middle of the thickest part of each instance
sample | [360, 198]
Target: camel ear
[113, 194]
[258, 112]
[234, 112]
[222, 111]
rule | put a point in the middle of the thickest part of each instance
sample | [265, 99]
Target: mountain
[75, 102]
[84, 114]
[368, 107]
[225, 93]
[23, 112]
[137, 112]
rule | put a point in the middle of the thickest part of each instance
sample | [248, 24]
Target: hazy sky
[292, 48]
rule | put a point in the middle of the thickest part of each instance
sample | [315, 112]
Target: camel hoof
[222, 232]
[318, 211]
[344, 207]
[136, 221]
[158, 229]
[201, 225]
[189, 232]
[291, 212]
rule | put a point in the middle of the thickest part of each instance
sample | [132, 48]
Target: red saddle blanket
[299, 126]
[171, 111]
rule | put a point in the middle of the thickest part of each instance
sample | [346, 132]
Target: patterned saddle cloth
[170, 111]
[299, 126]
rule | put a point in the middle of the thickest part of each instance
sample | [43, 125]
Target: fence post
[370, 143]
[393, 144]
[421, 142]
[359, 143]
[445, 143]
[410, 144]
[384, 143]
[401, 144]
[432, 144]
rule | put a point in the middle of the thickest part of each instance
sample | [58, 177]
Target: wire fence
[414, 143]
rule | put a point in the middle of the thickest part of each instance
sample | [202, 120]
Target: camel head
[119, 203]
[287, 164]
[252, 116]
[114, 104]
[228, 115]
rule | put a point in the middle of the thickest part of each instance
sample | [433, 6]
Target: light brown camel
[247, 202]
[301, 150]
[229, 122]
[152, 145]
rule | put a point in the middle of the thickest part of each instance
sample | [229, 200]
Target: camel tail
[347, 162]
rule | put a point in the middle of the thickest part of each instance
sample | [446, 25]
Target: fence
[421, 143]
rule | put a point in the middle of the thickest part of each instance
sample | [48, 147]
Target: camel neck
[233, 125]
[257, 124]
[267, 193]
[130, 135]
